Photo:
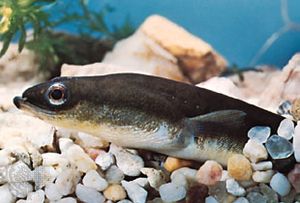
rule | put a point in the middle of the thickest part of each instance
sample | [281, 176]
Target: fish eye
[57, 94]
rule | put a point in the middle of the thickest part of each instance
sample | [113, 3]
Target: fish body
[146, 112]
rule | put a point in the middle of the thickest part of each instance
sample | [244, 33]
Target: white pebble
[255, 151]
[43, 175]
[171, 192]
[104, 160]
[87, 194]
[6, 195]
[234, 188]
[296, 143]
[129, 163]
[67, 200]
[89, 141]
[210, 199]
[20, 189]
[67, 181]
[53, 192]
[135, 192]
[179, 179]
[155, 177]
[189, 173]
[286, 129]
[94, 180]
[5, 157]
[241, 200]
[280, 184]
[225, 175]
[114, 175]
[76, 155]
[124, 201]
[259, 133]
[143, 182]
[262, 166]
[19, 172]
[262, 176]
[55, 160]
[36, 197]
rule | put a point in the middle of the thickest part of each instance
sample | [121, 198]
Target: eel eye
[57, 94]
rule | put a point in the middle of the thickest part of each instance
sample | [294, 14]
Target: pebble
[135, 192]
[280, 184]
[5, 157]
[286, 129]
[294, 177]
[279, 147]
[255, 197]
[209, 173]
[143, 182]
[267, 192]
[180, 179]
[36, 197]
[67, 181]
[197, 193]
[171, 192]
[239, 167]
[129, 163]
[19, 172]
[234, 188]
[53, 192]
[171, 163]
[20, 189]
[124, 201]
[295, 110]
[55, 160]
[67, 200]
[210, 199]
[263, 176]
[82, 161]
[255, 151]
[114, 175]
[189, 173]
[296, 143]
[90, 141]
[155, 177]
[43, 175]
[104, 160]
[262, 166]
[87, 194]
[6, 195]
[259, 133]
[219, 192]
[94, 180]
[115, 192]
[241, 200]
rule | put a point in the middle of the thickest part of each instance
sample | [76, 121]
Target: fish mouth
[23, 104]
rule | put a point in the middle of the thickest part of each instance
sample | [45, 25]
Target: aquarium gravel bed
[76, 167]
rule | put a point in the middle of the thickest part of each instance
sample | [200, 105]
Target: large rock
[159, 47]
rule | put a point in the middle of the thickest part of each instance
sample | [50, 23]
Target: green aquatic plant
[17, 15]
[52, 48]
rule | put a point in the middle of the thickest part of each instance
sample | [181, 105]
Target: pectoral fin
[223, 122]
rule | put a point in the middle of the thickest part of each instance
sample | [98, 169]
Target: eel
[148, 112]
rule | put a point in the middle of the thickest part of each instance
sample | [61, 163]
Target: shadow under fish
[151, 113]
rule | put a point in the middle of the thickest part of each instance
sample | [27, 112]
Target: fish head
[63, 101]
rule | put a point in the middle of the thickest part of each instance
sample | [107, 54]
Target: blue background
[235, 28]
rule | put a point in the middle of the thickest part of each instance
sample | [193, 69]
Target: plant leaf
[22, 39]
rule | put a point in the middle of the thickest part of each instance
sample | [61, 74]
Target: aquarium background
[238, 29]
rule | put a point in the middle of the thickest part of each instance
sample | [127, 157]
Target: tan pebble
[296, 109]
[209, 173]
[115, 192]
[172, 163]
[239, 167]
